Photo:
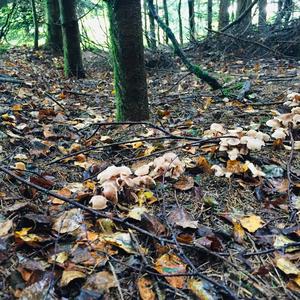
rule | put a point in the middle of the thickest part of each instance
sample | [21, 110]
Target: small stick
[292, 209]
[54, 100]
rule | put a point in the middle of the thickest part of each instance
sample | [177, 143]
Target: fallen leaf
[238, 232]
[121, 240]
[184, 183]
[68, 276]
[5, 227]
[180, 218]
[252, 223]
[203, 290]
[100, 282]
[145, 288]
[171, 264]
[286, 266]
[69, 221]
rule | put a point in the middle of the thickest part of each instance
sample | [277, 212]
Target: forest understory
[184, 233]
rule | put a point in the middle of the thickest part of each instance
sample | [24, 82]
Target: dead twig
[292, 209]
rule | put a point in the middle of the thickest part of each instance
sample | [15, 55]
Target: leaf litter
[200, 203]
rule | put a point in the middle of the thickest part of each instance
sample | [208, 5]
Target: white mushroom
[112, 172]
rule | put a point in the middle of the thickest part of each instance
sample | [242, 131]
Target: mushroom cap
[279, 133]
[112, 172]
[110, 190]
[233, 154]
[273, 123]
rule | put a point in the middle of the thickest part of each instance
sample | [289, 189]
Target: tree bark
[262, 15]
[242, 5]
[209, 15]
[180, 22]
[158, 30]
[145, 14]
[166, 14]
[223, 14]
[36, 25]
[128, 58]
[191, 5]
[191, 67]
[152, 37]
[71, 39]
[54, 34]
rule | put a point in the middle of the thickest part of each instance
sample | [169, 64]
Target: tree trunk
[128, 58]
[191, 67]
[242, 5]
[152, 37]
[180, 22]
[71, 39]
[36, 25]
[209, 15]
[54, 35]
[145, 13]
[166, 14]
[262, 16]
[191, 4]
[223, 14]
[158, 30]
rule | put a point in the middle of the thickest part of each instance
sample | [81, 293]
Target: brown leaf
[180, 218]
[171, 264]
[184, 183]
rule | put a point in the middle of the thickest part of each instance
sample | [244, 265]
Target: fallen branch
[191, 67]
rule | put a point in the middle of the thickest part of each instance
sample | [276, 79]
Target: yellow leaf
[145, 289]
[286, 266]
[60, 257]
[17, 107]
[238, 232]
[149, 150]
[68, 276]
[20, 166]
[252, 223]
[137, 145]
[23, 231]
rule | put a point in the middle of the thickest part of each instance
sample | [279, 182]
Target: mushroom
[113, 172]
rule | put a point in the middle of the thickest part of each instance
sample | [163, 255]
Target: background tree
[180, 22]
[191, 5]
[36, 25]
[242, 5]
[223, 14]
[262, 16]
[54, 33]
[71, 39]
[152, 35]
[166, 15]
[209, 15]
[128, 58]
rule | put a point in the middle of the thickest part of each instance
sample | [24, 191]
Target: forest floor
[196, 226]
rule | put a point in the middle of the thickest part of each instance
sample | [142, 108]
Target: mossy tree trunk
[223, 14]
[166, 14]
[209, 15]
[262, 15]
[36, 25]
[54, 35]
[152, 36]
[191, 5]
[195, 69]
[128, 57]
[180, 22]
[71, 39]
